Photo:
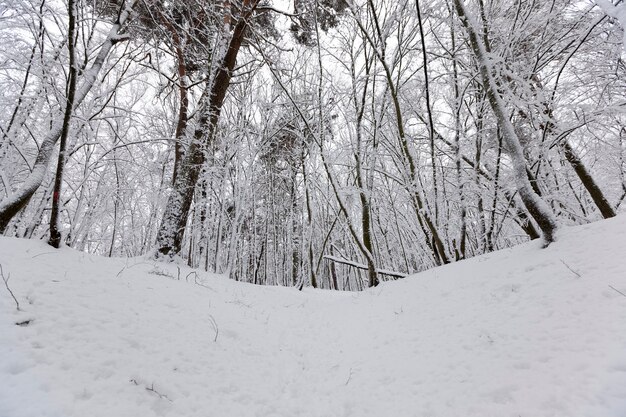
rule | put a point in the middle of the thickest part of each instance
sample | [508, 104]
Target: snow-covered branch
[364, 267]
[617, 12]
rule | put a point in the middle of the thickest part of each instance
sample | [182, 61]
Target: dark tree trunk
[55, 232]
[183, 109]
[171, 231]
[585, 177]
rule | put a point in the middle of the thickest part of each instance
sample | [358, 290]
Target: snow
[616, 11]
[520, 332]
[89, 77]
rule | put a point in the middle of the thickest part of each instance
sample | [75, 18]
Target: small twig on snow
[151, 389]
[195, 277]
[349, 377]
[41, 254]
[215, 328]
[568, 267]
[6, 284]
[130, 266]
[204, 286]
[121, 270]
[615, 289]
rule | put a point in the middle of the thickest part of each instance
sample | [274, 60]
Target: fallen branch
[568, 267]
[6, 284]
[615, 289]
[195, 279]
[349, 377]
[364, 267]
[152, 390]
[214, 325]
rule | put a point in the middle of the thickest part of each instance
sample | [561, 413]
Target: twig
[6, 284]
[43, 253]
[215, 328]
[190, 274]
[568, 267]
[349, 377]
[151, 389]
[121, 270]
[615, 289]
[364, 267]
[239, 303]
[131, 266]
[204, 286]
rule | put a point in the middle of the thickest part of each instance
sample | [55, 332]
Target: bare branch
[214, 325]
[615, 289]
[364, 267]
[568, 267]
[6, 284]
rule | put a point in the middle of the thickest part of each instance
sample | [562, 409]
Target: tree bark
[55, 233]
[171, 231]
[537, 208]
[588, 182]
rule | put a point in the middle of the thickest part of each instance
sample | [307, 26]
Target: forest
[335, 144]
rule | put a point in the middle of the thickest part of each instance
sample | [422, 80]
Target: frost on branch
[617, 12]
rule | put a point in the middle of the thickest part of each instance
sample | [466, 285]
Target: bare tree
[537, 208]
[10, 206]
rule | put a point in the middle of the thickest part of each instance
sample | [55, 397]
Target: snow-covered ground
[524, 332]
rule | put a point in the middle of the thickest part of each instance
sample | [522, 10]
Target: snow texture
[524, 332]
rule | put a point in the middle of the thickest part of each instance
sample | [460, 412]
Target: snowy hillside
[522, 332]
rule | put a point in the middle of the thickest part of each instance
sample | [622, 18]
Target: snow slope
[524, 332]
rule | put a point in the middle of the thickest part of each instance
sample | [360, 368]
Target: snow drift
[521, 332]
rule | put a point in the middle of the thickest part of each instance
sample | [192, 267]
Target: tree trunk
[171, 231]
[537, 208]
[589, 183]
[55, 233]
